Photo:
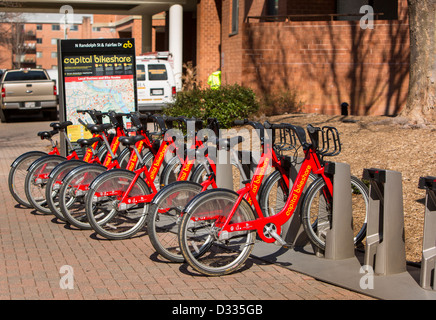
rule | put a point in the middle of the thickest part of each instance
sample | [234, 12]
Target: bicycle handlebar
[299, 131]
[95, 115]
[256, 125]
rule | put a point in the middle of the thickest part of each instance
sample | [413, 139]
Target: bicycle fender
[44, 158]
[25, 155]
[162, 192]
[80, 168]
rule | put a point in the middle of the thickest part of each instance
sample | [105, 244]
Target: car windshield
[24, 75]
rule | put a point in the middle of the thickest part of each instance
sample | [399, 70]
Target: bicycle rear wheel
[102, 205]
[72, 194]
[17, 176]
[316, 212]
[164, 217]
[203, 246]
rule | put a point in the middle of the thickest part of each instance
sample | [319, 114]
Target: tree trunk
[421, 101]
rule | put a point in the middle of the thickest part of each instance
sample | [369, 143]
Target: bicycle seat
[127, 141]
[47, 134]
[96, 128]
[60, 125]
[228, 143]
[88, 142]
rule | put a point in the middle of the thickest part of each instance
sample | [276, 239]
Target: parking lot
[43, 258]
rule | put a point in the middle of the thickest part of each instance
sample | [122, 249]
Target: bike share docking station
[428, 264]
[380, 270]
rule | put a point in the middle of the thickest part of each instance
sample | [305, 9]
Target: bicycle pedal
[287, 246]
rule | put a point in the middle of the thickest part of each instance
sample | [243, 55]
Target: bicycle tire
[198, 240]
[170, 171]
[102, 212]
[54, 184]
[36, 181]
[311, 207]
[17, 176]
[274, 193]
[199, 174]
[164, 217]
[72, 194]
[60, 171]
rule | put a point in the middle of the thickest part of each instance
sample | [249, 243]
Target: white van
[156, 83]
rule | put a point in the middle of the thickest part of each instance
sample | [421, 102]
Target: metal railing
[301, 17]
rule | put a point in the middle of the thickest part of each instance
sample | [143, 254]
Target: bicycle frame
[151, 174]
[311, 163]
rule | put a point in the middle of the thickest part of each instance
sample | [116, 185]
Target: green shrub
[227, 104]
[285, 101]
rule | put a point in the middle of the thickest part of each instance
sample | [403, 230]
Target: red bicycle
[118, 201]
[38, 176]
[218, 227]
[18, 171]
[75, 184]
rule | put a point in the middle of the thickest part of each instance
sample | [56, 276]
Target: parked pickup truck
[27, 91]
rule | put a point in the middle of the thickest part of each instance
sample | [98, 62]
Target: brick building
[323, 50]
[316, 48]
[43, 30]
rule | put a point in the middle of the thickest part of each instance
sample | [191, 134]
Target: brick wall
[330, 62]
[209, 39]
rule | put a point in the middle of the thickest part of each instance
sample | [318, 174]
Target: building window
[235, 17]
[39, 54]
[74, 27]
[272, 7]
[54, 54]
[39, 40]
[39, 27]
[96, 29]
[54, 41]
[55, 27]
[389, 8]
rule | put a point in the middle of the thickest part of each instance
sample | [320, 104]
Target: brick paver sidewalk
[38, 252]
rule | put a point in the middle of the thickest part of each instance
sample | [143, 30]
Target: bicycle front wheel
[103, 210]
[316, 212]
[54, 183]
[72, 194]
[164, 217]
[17, 175]
[203, 246]
[36, 181]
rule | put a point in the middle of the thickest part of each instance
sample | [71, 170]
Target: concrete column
[176, 41]
[146, 33]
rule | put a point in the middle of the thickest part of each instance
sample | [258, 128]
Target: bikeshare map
[100, 82]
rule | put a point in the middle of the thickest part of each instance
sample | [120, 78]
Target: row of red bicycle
[158, 176]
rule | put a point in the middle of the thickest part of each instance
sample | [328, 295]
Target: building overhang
[119, 7]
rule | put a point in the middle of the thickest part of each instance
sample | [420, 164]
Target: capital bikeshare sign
[95, 74]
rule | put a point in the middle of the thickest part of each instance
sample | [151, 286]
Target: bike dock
[380, 268]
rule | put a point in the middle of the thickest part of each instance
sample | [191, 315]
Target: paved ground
[38, 253]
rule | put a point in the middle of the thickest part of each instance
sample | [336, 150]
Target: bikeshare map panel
[97, 74]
